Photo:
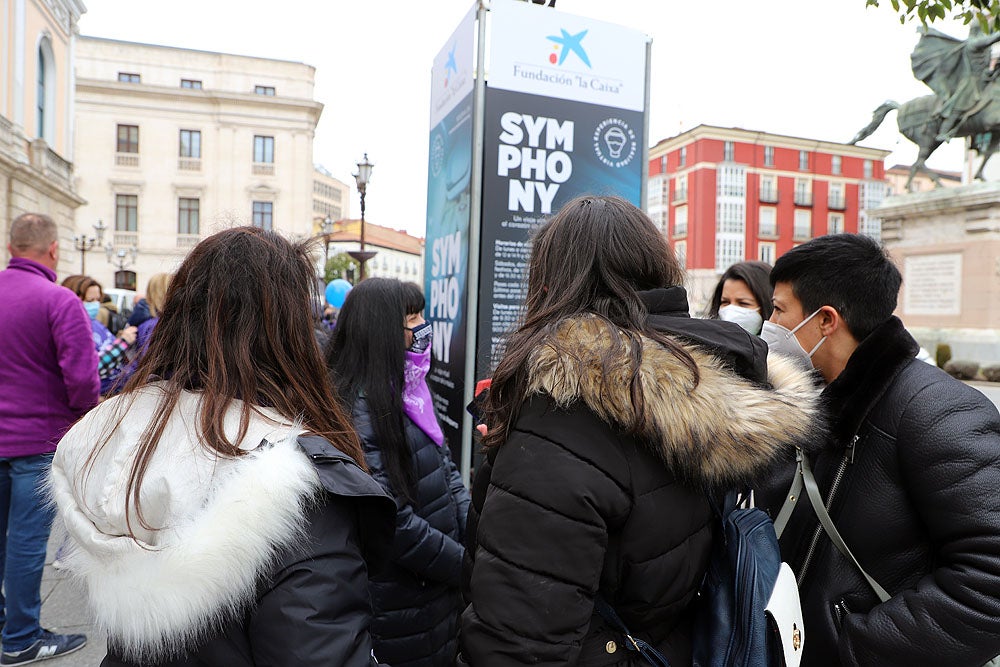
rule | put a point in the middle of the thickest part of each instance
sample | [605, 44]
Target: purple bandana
[417, 403]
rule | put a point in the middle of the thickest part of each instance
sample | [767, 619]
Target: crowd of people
[252, 491]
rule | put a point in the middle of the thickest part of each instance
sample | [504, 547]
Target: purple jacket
[48, 370]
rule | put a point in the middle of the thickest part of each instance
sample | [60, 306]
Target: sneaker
[48, 646]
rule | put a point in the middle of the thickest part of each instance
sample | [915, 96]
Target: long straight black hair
[365, 357]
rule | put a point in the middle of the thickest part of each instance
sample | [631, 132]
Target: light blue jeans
[25, 522]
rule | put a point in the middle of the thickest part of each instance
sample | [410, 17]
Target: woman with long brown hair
[613, 419]
[219, 509]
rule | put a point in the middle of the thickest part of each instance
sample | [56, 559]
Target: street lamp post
[84, 243]
[123, 258]
[362, 178]
[327, 230]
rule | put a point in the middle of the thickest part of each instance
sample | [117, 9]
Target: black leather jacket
[910, 472]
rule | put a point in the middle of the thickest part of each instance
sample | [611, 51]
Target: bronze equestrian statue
[966, 100]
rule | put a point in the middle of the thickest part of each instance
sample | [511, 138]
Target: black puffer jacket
[417, 597]
[917, 455]
[573, 506]
[312, 607]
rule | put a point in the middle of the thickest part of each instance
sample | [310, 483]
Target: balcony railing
[8, 140]
[680, 230]
[126, 239]
[799, 234]
[836, 202]
[127, 159]
[262, 169]
[187, 241]
[769, 230]
[50, 163]
[680, 195]
[803, 199]
[189, 164]
[769, 195]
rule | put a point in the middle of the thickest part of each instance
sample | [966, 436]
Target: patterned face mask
[422, 337]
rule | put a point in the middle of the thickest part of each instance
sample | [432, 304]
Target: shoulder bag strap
[812, 489]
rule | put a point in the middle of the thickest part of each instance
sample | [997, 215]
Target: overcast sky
[807, 68]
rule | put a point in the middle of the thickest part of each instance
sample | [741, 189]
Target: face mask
[748, 318]
[781, 340]
[422, 336]
[92, 308]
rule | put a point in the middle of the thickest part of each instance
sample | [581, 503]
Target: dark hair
[413, 298]
[366, 357]
[230, 330]
[594, 256]
[756, 276]
[850, 272]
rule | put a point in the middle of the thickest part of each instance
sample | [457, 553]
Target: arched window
[45, 94]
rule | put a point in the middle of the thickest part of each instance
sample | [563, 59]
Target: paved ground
[64, 611]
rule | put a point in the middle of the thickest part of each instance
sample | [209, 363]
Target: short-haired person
[743, 296]
[909, 471]
[612, 419]
[218, 509]
[48, 380]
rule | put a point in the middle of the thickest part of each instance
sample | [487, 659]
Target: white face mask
[781, 340]
[748, 318]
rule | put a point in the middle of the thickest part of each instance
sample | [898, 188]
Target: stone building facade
[180, 143]
[37, 40]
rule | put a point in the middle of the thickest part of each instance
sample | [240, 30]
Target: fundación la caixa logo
[566, 44]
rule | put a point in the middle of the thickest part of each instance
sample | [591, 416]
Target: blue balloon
[337, 291]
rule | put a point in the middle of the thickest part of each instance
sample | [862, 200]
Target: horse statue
[918, 122]
[966, 102]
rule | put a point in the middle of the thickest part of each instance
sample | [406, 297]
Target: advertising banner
[564, 117]
[446, 249]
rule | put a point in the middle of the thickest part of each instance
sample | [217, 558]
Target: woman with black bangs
[379, 356]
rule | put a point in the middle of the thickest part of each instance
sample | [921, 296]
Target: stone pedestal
[946, 243]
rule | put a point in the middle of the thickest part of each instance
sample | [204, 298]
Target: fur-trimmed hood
[218, 524]
[721, 430]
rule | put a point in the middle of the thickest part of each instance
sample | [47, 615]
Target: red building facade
[724, 195]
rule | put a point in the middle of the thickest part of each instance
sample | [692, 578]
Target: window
[126, 213]
[194, 84]
[128, 77]
[836, 196]
[868, 168]
[45, 94]
[681, 188]
[190, 143]
[765, 253]
[835, 224]
[263, 215]
[803, 160]
[264, 90]
[728, 151]
[263, 149]
[803, 225]
[128, 139]
[188, 214]
[835, 165]
[768, 189]
[683, 156]
[681, 221]
[681, 251]
[768, 221]
[768, 156]
[803, 192]
[663, 164]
